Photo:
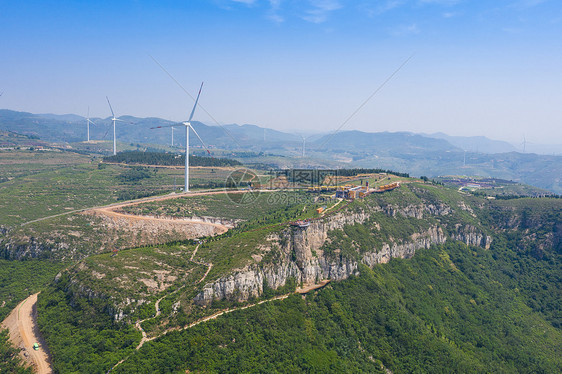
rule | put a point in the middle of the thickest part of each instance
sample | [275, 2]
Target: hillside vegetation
[442, 311]
[481, 294]
[167, 159]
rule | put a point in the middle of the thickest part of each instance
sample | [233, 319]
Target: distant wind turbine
[114, 119]
[173, 128]
[88, 122]
[303, 145]
[188, 126]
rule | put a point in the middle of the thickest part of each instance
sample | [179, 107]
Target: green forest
[167, 159]
[10, 362]
[451, 308]
[442, 311]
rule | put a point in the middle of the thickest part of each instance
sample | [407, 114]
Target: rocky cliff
[303, 260]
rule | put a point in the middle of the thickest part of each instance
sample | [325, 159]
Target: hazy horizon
[477, 68]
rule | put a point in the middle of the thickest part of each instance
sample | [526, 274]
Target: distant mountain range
[476, 143]
[418, 154]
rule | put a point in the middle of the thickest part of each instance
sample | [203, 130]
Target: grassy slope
[53, 183]
[221, 206]
[47, 183]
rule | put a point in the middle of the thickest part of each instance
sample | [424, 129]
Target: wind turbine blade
[104, 135]
[161, 127]
[91, 122]
[88, 113]
[113, 114]
[201, 106]
[127, 122]
[201, 140]
[195, 106]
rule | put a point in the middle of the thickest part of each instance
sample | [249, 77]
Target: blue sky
[479, 67]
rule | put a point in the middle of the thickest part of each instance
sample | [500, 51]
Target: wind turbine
[114, 119]
[188, 126]
[173, 128]
[304, 145]
[88, 121]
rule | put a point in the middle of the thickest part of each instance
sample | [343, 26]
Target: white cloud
[273, 13]
[451, 14]
[405, 30]
[321, 9]
[389, 5]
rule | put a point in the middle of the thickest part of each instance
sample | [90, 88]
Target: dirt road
[140, 201]
[109, 211]
[24, 332]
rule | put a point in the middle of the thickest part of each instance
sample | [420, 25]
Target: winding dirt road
[112, 211]
[303, 290]
[24, 332]
[140, 201]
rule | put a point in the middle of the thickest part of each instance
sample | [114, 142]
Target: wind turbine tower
[114, 119]
[188, 126]
[173, 128]
[303, 146]
[88, 122]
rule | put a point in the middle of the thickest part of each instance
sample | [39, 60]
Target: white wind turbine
[304, 145]
[114, 119]
[88, 122]
[188, 126]
[173, 128]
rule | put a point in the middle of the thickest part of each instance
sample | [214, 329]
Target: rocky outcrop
[417, 211]
[304, 261]
[405, 250]
[103, 231]
[470, 235]
[23, 247]
[77, 290]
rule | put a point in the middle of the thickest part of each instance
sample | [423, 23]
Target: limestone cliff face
[470, 235]
[417, 211]
[405, 250]
[29, 246]
[303, 259]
